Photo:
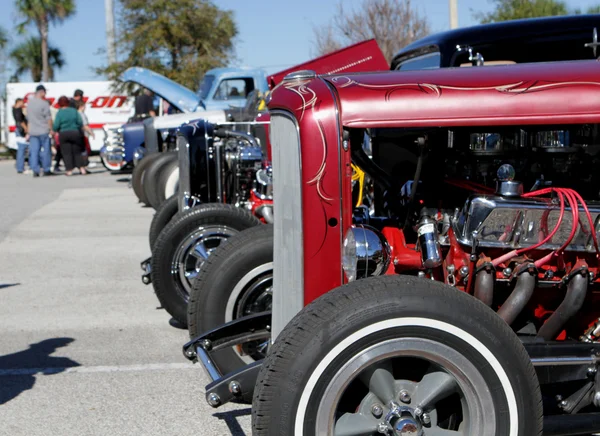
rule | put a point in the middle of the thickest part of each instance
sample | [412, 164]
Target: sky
[273, 34]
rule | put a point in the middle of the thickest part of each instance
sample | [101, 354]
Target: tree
[3, 39]
[516, 9]
[393, 23]
[42, 13]
[27, 56]
[179, 39]
[3, 58]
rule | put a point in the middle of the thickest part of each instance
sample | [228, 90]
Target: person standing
[144, 105]
[68, 124]
[87, 130]
[40, 128]
[77, 97]
[21, 133]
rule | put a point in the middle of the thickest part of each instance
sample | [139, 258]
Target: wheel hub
[194, 250]
[401, 421]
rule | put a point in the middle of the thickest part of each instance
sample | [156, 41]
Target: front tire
[423, 345]
[183, 246]
[156, 197]
[246, 288]
[164, 214]
[152, 174]
[137, 176]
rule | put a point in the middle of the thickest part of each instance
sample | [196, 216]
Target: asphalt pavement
[84, 348]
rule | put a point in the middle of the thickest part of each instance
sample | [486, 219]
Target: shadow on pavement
[18, 370]
[230, 419]
[8, 285]
[124, 179]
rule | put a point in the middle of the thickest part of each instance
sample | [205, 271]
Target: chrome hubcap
[407, 387]
[194, 250]
[252, 294]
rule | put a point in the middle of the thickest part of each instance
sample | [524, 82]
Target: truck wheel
[165, 212]
[150, 182]
[137, 176]
[246, 288]
[183, 246]
[397, 355]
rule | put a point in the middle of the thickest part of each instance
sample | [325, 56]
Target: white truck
[104, 107]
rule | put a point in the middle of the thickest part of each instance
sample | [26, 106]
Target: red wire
[575, 211]
[561, 192]
[554, 230]
[590, 220]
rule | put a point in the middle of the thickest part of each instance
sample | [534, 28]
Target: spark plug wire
[506, 257]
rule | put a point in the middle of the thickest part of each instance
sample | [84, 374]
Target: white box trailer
[103, 105]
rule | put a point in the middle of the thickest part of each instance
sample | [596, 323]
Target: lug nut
[377, 410]
[404, 396]
[426, 419]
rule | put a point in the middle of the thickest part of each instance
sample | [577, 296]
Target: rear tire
[137, 176]
[184, 244]
[365, 342]
[246, 288]
[150, 182]
[161, 218]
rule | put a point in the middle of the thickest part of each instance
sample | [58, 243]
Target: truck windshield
[205, 86]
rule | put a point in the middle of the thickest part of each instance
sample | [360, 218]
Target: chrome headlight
[365, 253]
[138, 154]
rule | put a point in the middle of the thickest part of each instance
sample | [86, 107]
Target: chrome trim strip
[209, 150]
[564, 361]
[288, 259]
[341, 169]
[218, 171]
[183, 147]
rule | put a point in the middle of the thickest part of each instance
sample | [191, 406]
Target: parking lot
[84, 348]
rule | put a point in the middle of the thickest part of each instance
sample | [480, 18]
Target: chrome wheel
[194, 250]
[409, 387]
[252, 294]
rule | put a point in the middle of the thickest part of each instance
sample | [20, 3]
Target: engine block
[514, 223]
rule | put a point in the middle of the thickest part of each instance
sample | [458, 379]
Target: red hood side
[364, 56]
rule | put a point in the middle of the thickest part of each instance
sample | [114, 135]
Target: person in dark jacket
[144, 105]
[21, 133]
[68, 124]
[77, 97]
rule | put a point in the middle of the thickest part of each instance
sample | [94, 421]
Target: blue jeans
[39, 149]
[21, 148]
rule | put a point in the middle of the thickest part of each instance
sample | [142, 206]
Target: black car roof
[490, 33]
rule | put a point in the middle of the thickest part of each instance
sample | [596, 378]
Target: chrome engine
[512, 223]
[243, 161]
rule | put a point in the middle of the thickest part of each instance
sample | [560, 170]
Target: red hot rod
[464, 301]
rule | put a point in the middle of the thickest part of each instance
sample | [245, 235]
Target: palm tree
[3, 38]
[28, 57]
[42, 13]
